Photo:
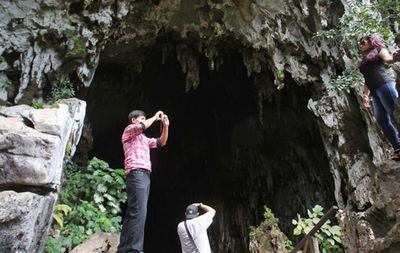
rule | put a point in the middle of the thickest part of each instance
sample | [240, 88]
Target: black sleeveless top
[374, 73]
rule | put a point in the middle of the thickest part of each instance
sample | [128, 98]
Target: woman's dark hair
[135, 114]
[376, 44]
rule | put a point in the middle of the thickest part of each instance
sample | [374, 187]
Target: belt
[142, 170]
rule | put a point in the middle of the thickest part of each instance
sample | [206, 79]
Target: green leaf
[315, 220]
[63, 208]
[98, 198]
[337, 238]
[331, 241]
[101, 188]
[296, 231]
[59, 220]
[102, 208]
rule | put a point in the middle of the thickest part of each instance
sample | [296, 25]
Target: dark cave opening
[219, 151]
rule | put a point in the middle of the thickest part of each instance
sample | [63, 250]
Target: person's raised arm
[207, 209]
[386, 56]
[148, 122]
[164, 133]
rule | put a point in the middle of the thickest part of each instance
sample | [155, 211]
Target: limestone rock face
[33, 145]
[44, 38]
[274, 39]
[23, 218]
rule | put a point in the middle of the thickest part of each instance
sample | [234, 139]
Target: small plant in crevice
[78, 48]
[61, 90]
[37, 104]
[4, 84]
[268, 236]
[93, 195]
[328, 235]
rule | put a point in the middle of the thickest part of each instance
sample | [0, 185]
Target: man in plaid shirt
[138, 168]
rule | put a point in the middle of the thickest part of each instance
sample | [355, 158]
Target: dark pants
[132, 234]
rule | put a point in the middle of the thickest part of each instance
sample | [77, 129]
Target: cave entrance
[222, 149]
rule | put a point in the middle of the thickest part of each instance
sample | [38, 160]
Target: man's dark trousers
[138, 189]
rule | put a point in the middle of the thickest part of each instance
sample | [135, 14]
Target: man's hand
[206, 208]
[158, 115]
[165, 120]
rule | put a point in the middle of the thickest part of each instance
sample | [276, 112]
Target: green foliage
[280, 74]
[361, 19]
[252, 231]
[268, 235]
[347, 81]
[94, 195]
[4, 84]
[61, 211]
[78, 49]
[54, 245]
[269, 216]
[68, 148]
[328, 236]
[62, 89]
[37, 104]
[288, 244]
[390, 9]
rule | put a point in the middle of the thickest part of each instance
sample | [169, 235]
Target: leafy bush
[94, 195]
[328, 235]
[62, 89]
[54, 245]
[347, 81]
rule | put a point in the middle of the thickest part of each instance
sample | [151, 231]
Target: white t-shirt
[198, 229]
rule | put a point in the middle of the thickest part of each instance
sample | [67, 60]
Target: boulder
[33, 148]
[99, 243]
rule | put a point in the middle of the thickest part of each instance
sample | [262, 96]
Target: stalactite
[189, 66]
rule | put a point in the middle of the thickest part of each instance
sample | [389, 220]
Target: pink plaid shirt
[137, 147]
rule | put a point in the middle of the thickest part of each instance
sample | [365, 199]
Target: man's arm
[164, 133]
[207, 209]
[148, 122]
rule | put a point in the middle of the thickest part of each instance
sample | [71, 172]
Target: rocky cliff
[254, 120]
[33, 146]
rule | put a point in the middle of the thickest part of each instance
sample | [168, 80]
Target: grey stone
[33, 146]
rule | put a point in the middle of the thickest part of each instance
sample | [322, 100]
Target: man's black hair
[135, 114]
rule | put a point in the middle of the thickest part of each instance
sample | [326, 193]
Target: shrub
[328, 235]
[62, 89]
[94, 195]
